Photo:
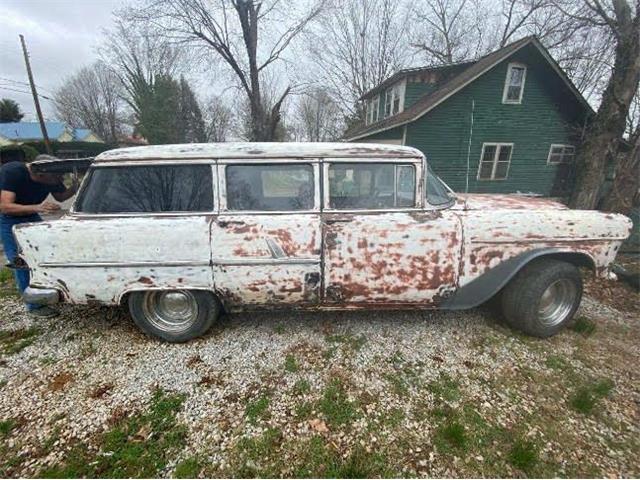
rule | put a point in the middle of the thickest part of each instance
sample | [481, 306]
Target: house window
[495, 161]
[388, 102]
[372, 110]
[393, 100]
[559, 153]
[514, 84]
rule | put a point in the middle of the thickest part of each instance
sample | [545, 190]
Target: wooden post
[43, 127]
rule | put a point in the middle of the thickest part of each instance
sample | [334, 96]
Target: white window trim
[563, 146]
[375, 107]
[495, 162]
[506, 84]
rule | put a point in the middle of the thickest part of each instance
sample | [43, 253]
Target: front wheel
[174, 315]
[543, 297]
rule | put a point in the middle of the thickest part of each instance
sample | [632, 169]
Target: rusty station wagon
[181, 233]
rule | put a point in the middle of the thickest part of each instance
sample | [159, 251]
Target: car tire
[174, 315]
[543, 297]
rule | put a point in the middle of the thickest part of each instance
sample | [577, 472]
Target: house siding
[544, 117]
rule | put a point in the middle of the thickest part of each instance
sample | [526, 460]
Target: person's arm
[9, 206]
[68, 193]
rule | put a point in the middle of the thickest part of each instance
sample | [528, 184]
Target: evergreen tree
[10, 111]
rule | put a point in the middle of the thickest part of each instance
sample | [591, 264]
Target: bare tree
[356, 45]
[92, 98]
[449, 31]
[219, 120]
[318, 117]
[621, 20]
[233, 30]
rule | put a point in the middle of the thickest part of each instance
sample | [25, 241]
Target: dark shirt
[15, 177]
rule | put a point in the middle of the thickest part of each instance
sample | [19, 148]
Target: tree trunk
[607, 128]
[626, 183]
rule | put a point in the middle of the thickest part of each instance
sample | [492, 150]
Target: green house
[507, 122]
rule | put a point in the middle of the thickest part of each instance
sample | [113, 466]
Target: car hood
[489, 202]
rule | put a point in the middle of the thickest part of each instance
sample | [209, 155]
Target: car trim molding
[482, 288]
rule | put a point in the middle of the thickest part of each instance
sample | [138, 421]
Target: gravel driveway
[338, 394]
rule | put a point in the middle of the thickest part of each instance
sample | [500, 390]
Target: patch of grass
[451, 435]
[445, 388]
[279, 329]
[257, 409]
[6, 426]
[394, 417]
[6, 275]
[187, 468]
[303, 410]
[586, 397]
[251, 455]
[3, 383]
[137, 446]
[14, 341]
[334, 404]
[584, 326]
[398, 383]
[523, 455]
[349, 340]
[47, 360]
[301, 387]
[290, 364]
[556, 362]
[321, 460]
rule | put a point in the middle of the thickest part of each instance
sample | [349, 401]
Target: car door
[381, 246]
[266, 240]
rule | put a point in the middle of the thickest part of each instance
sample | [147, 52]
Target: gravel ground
[377, 393]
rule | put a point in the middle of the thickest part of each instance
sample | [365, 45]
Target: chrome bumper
[41, 296]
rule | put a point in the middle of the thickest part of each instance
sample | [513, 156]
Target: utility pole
[35, 97]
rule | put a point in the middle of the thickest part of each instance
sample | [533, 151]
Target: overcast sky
[61, 37]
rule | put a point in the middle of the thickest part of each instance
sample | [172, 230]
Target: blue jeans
[11, 249]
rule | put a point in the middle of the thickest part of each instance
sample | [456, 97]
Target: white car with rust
[181, 233]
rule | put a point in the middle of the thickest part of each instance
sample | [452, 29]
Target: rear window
[270, 187]
[148, 189]
[371, 185]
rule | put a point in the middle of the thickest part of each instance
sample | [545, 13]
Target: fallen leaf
[318, 425]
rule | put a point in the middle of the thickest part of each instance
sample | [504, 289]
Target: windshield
[437, 191]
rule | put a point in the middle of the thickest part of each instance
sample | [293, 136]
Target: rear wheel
[543, 297]
[174, 315]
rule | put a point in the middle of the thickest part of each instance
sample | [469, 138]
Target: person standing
[23, 197]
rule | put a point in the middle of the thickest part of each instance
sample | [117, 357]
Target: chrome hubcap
[557, 301]
[171, 311]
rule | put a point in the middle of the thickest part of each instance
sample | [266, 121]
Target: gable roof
[475, 70]
[30, 131]
[79, 134]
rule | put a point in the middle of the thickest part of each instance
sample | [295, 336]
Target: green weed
[523, 455]
[257, 409]
[290, 364]
[584, 325]
[14, 341]
[187, 468]
[586, 397]
[138, 446]
[334, 404]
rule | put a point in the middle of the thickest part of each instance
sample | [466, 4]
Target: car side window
[284, 187]
[371, 185]
[148, 189]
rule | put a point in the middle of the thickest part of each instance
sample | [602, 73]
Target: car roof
[246, 150]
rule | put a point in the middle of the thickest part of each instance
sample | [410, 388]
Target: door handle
[226, 223]
[331, 221]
